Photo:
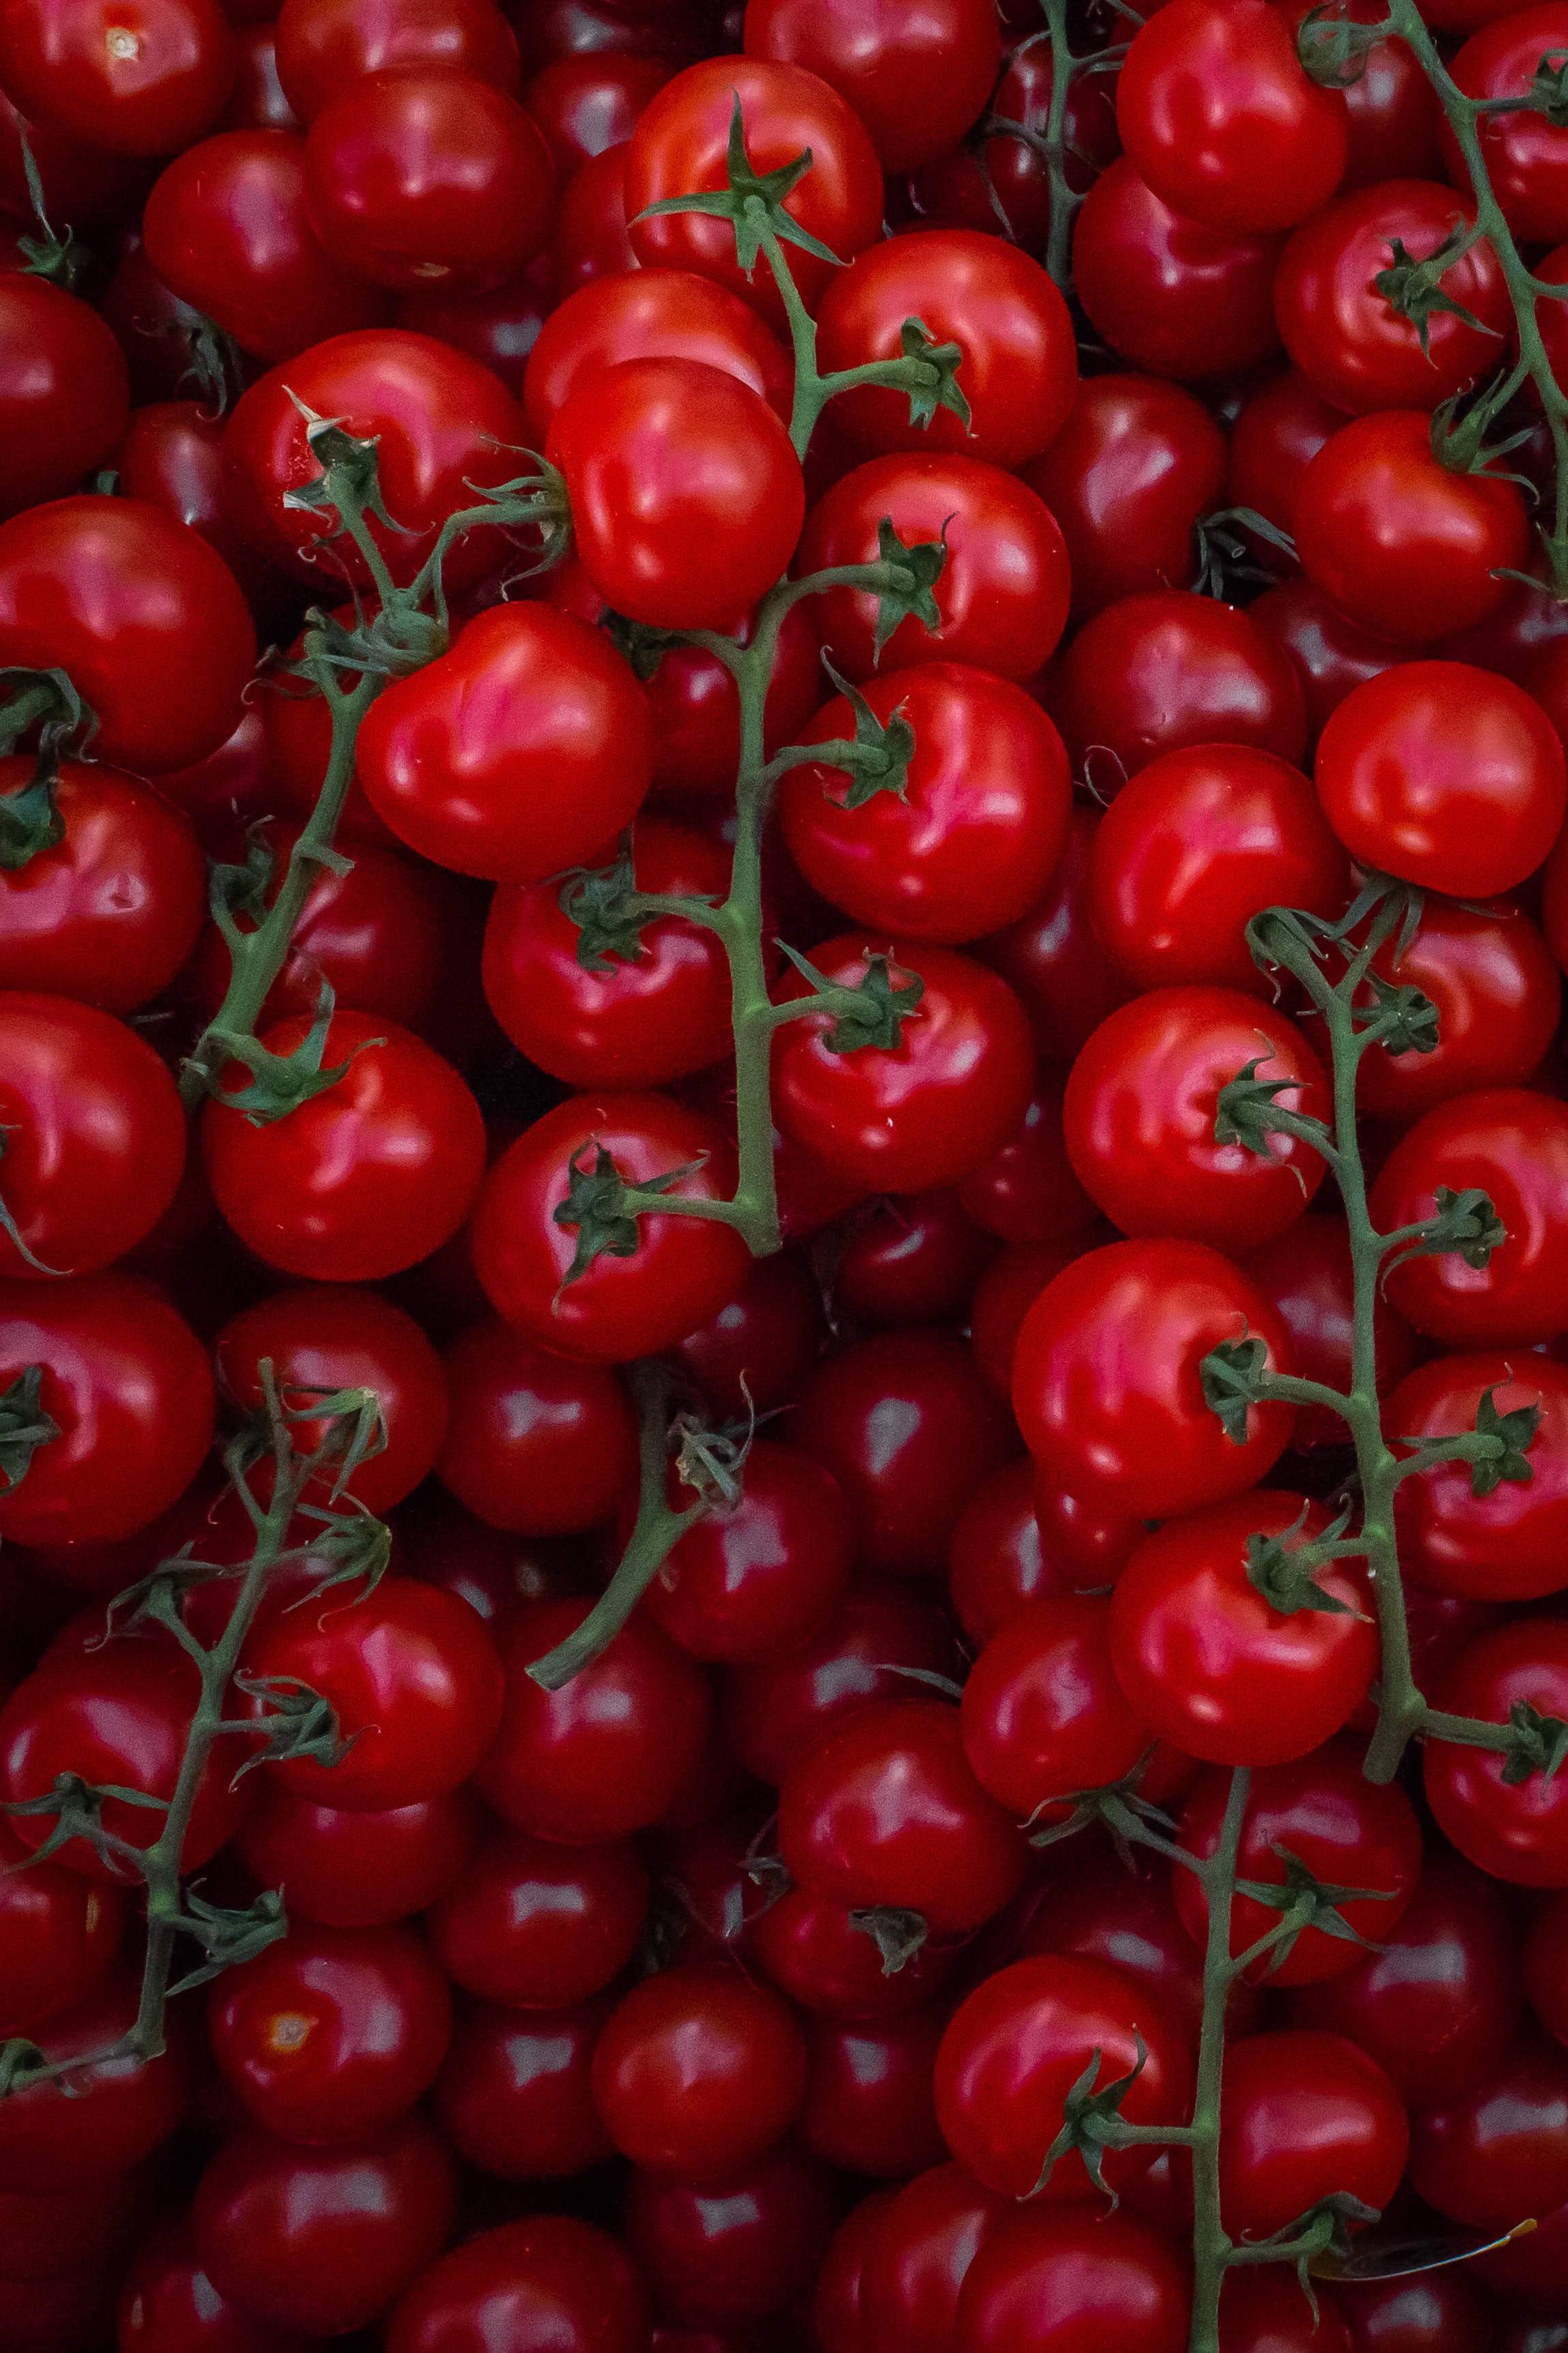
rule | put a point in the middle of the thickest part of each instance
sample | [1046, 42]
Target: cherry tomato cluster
[783, 1176]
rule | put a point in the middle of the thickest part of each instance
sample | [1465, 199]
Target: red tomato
[1508, 1545]
[498, 327]
[115, 2112]
[1106, 1385]
[1007, 1290]
[514, 2095]
[1308, 1275]
[1330, 655]
[1491, 976]
[168, 2305]
[917, 79]
[911, 1258]
[1436, 2311]
[59, 1932]
[1217, 113]
[1169, 295]
[868, 2106]
[815, 1952]
[1303, 2117]
[1517, 1831]
[720, 2254]
[1264, 2310]
[1028, 1191]
[1392, 110]
[1052, 958]
[64, 391]
[590, 102]
[650, 314]
[538, 1926]
[1278, 432]
[1043, 1714]
[364, 1870]
[536, 1443]
[592, 239]
[323, 44]
[1523, 154]
[1542, 1984]
[697, 2073]
[171, 457]
[1066, 2279]
[919, 2253]
[1135, 465]
[753, 1580]
[776, 1714]
[142, 81]
[996, 1565]
[767, 1338]
[1167, 671]
[549, 2276]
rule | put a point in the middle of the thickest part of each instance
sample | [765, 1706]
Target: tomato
[1168, 672]
[1264, 2310]
[767, 1338]
[144, 619]
[524, 750]
[126, 1382]
[919, 2253]
[1018, 2043]
[1136, 464]
[1218, 114]
[997, 1564]
[1490, 974]
[1516, 1831]
[1106, 1385]
[602, 1755]
[171, 457]
[911, 1258]
[1278, 432]
[868, 2107]
[682, 1270]
[697, 2073]
[498, 328]
[64, 391]
[1095, 1907]
[58, 1933]
[663, 457]
[1168, 295]
[324, 45]
[1330, 655]
[142, 80]
[813, 1950]
[1523, 159]
[537, 1926]
[1052, 958]
[1200, 842]
[678, 148]
[331, 2032]
[1067, 2279]
[1490, 2155]
[1043, 1714]
[414, 1681]
[1002, 594]
[1349, 342]
[78, 179]
[324, 2240]
[592, 239]
[885, 1811]
[364, 1870]
[916, 80]
[1505, 1545]
[168, 2304]
[752, 1580]
[1304, 2116]
[536, 1443]
[1432, 2311]
[1026, 1192]
[444, 427]
[1007, 1290]
[1346, 1830]
[1308, 1274]
[549, 2276]
[591, 101]
[922, 1113]
[229, 231]
[115, 2112]
[514, 2095]
[722, 2253]
[774, 1715]
[651, 314]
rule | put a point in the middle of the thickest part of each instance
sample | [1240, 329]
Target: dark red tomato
[1507, 1545]
[137, 82]
[686, 497]
[1492, 2154]
[592, 239]
[363, 1180]
[1200, 842]
[296, 728]
[1003, 593]
[1308, 1275]
[171, 457]
[1524, 156]
[94, 1136]
[1027, 1192]
[168, 2305]
[590, 102]
[114, 2113]
[1136, 464]
[1304, 2116]
[1008, 1289]
[229, 231]
[1053, 960]
[869, 2105]
[59, 1932]
[256, 101]
[79, 181]
[767, 1338]
[1401, 545]
[974, 832]
[1162, 673]
[1068, 2279]
[1209, 1662]
[1264, 2310]
[498, 327]
[415, 1680]
[110, 913]
[927, 1110]
[911, 1258]
[1099, 1909]
[1278, 432]
[917, 79]
[1498, 994]
[651, 314]
[918, 2256]
[425, 176]
[1518, 1831]
[515, 2093]
[331, 2032]
[682, 1270]
[819, 1953]
[885, 1812]
[1170, 296]
[909, 1429]
[1218, 114]
[323, 44]
[602, 1755]
[836, 2307]
[1529, 2271]
[146, 621]
[1043, 1714]
[440, 422]
[1017, 2047]
[696, 2073]
[536, 1443]
[538, 1926]
[752, 1581]
[126, 1383]
[362, 1870]
[1513, 1144]
[656, 1011]
[1020, 179]
[1019, 368]
[720, 2254]
[157, 333]
[1392, 109]
[1346, 1830]
[1432, 2311]
[1350, 344]
[1139, 1116]
[1438, 2004]
[69, 2313]
[775, 1716]
[998, 1565]
[1434, 766]
[323, 2240]
[1106, 1384]
[1330, 654]
[64, 391]
[678, 149]
[550, 2277]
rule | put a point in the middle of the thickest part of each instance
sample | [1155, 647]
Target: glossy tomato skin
[498, 327]
[1135, 465]
[1200, 842]
[1517, 1832]
[514, 2095]
[637, 314]
[1043, 1716]
[538, 1926]
[363, 1180]
[869, 2105]
[1001, 596]
[752, 1581]
[117, 2111]
[1303, 2115]
[1212, 1665]
[1052, 959]
[919, 2253]
[720, 2254]
[909, 1259]
[525, 749]
[1507, 1545]
[145, 619]
[324, 2240]
[922, 1113]
[590, 102]
[537, 1444]
[1490, 972]
[684, 1269]
[1263, 2310]
[696, 2073]
[1162, 673]
[1278, 432]
[126, 1383]
[812, 1949]
[1513, 1144]
[229, 231]
[592, 239]
[551, 2276]
[774, 1715]
[142, 96]
[1028, 1191]
[768, 1336]
[323, 43]
[1523, 157]
[58, 1933]
[1330, 654]
[357, 1870]
[1139, 1114]
[997, 1563]
[1309, 1275]
[1106, 1385]
[168, 2303]
[917, 79]
[1065, 2279]
[64, 391]
[1435, 2312]
[1170, 296]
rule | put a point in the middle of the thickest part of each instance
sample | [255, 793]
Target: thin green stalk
[1210, 2241]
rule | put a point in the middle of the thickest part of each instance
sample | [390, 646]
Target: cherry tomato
[498, 328]
[1043, 1714]
[911, 1258]
[1167, 671]
[916, 80]
[869, 2105]
[1053, 960]
[918, 2254]
[1007, 1290]
[776, 1715]
[1101, 1911]
[762, 1345]
[514, 2095]
[323, 44]
[1304, 2116]
[549, 2276]
[1168, 295]
[1434, 2312]
[64, 391]
[722, 2253]
[1026, 1192]
[697, 2073]
[115, 2112]
[1308, 1276]
[58, 1933]
[364, 1870]
[998, 1565]
[592, 239]
[78, 179]
[1488, 2155]
[137, 82]
[591, 101]
[171, 457]
[1264, 2310]
[1505, 1545]
[536, 1444]
[1136, 464]
[752, 1580]
[1523, 156]
[537, 1926]
[1490, 972]
[168, 2305]
[651, 314]
[1517, 1830]
[1330, 654]
[1065, 2279]
[1279, 431]
[826, 1960]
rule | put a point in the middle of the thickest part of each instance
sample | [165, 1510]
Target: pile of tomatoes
[731, 1997]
